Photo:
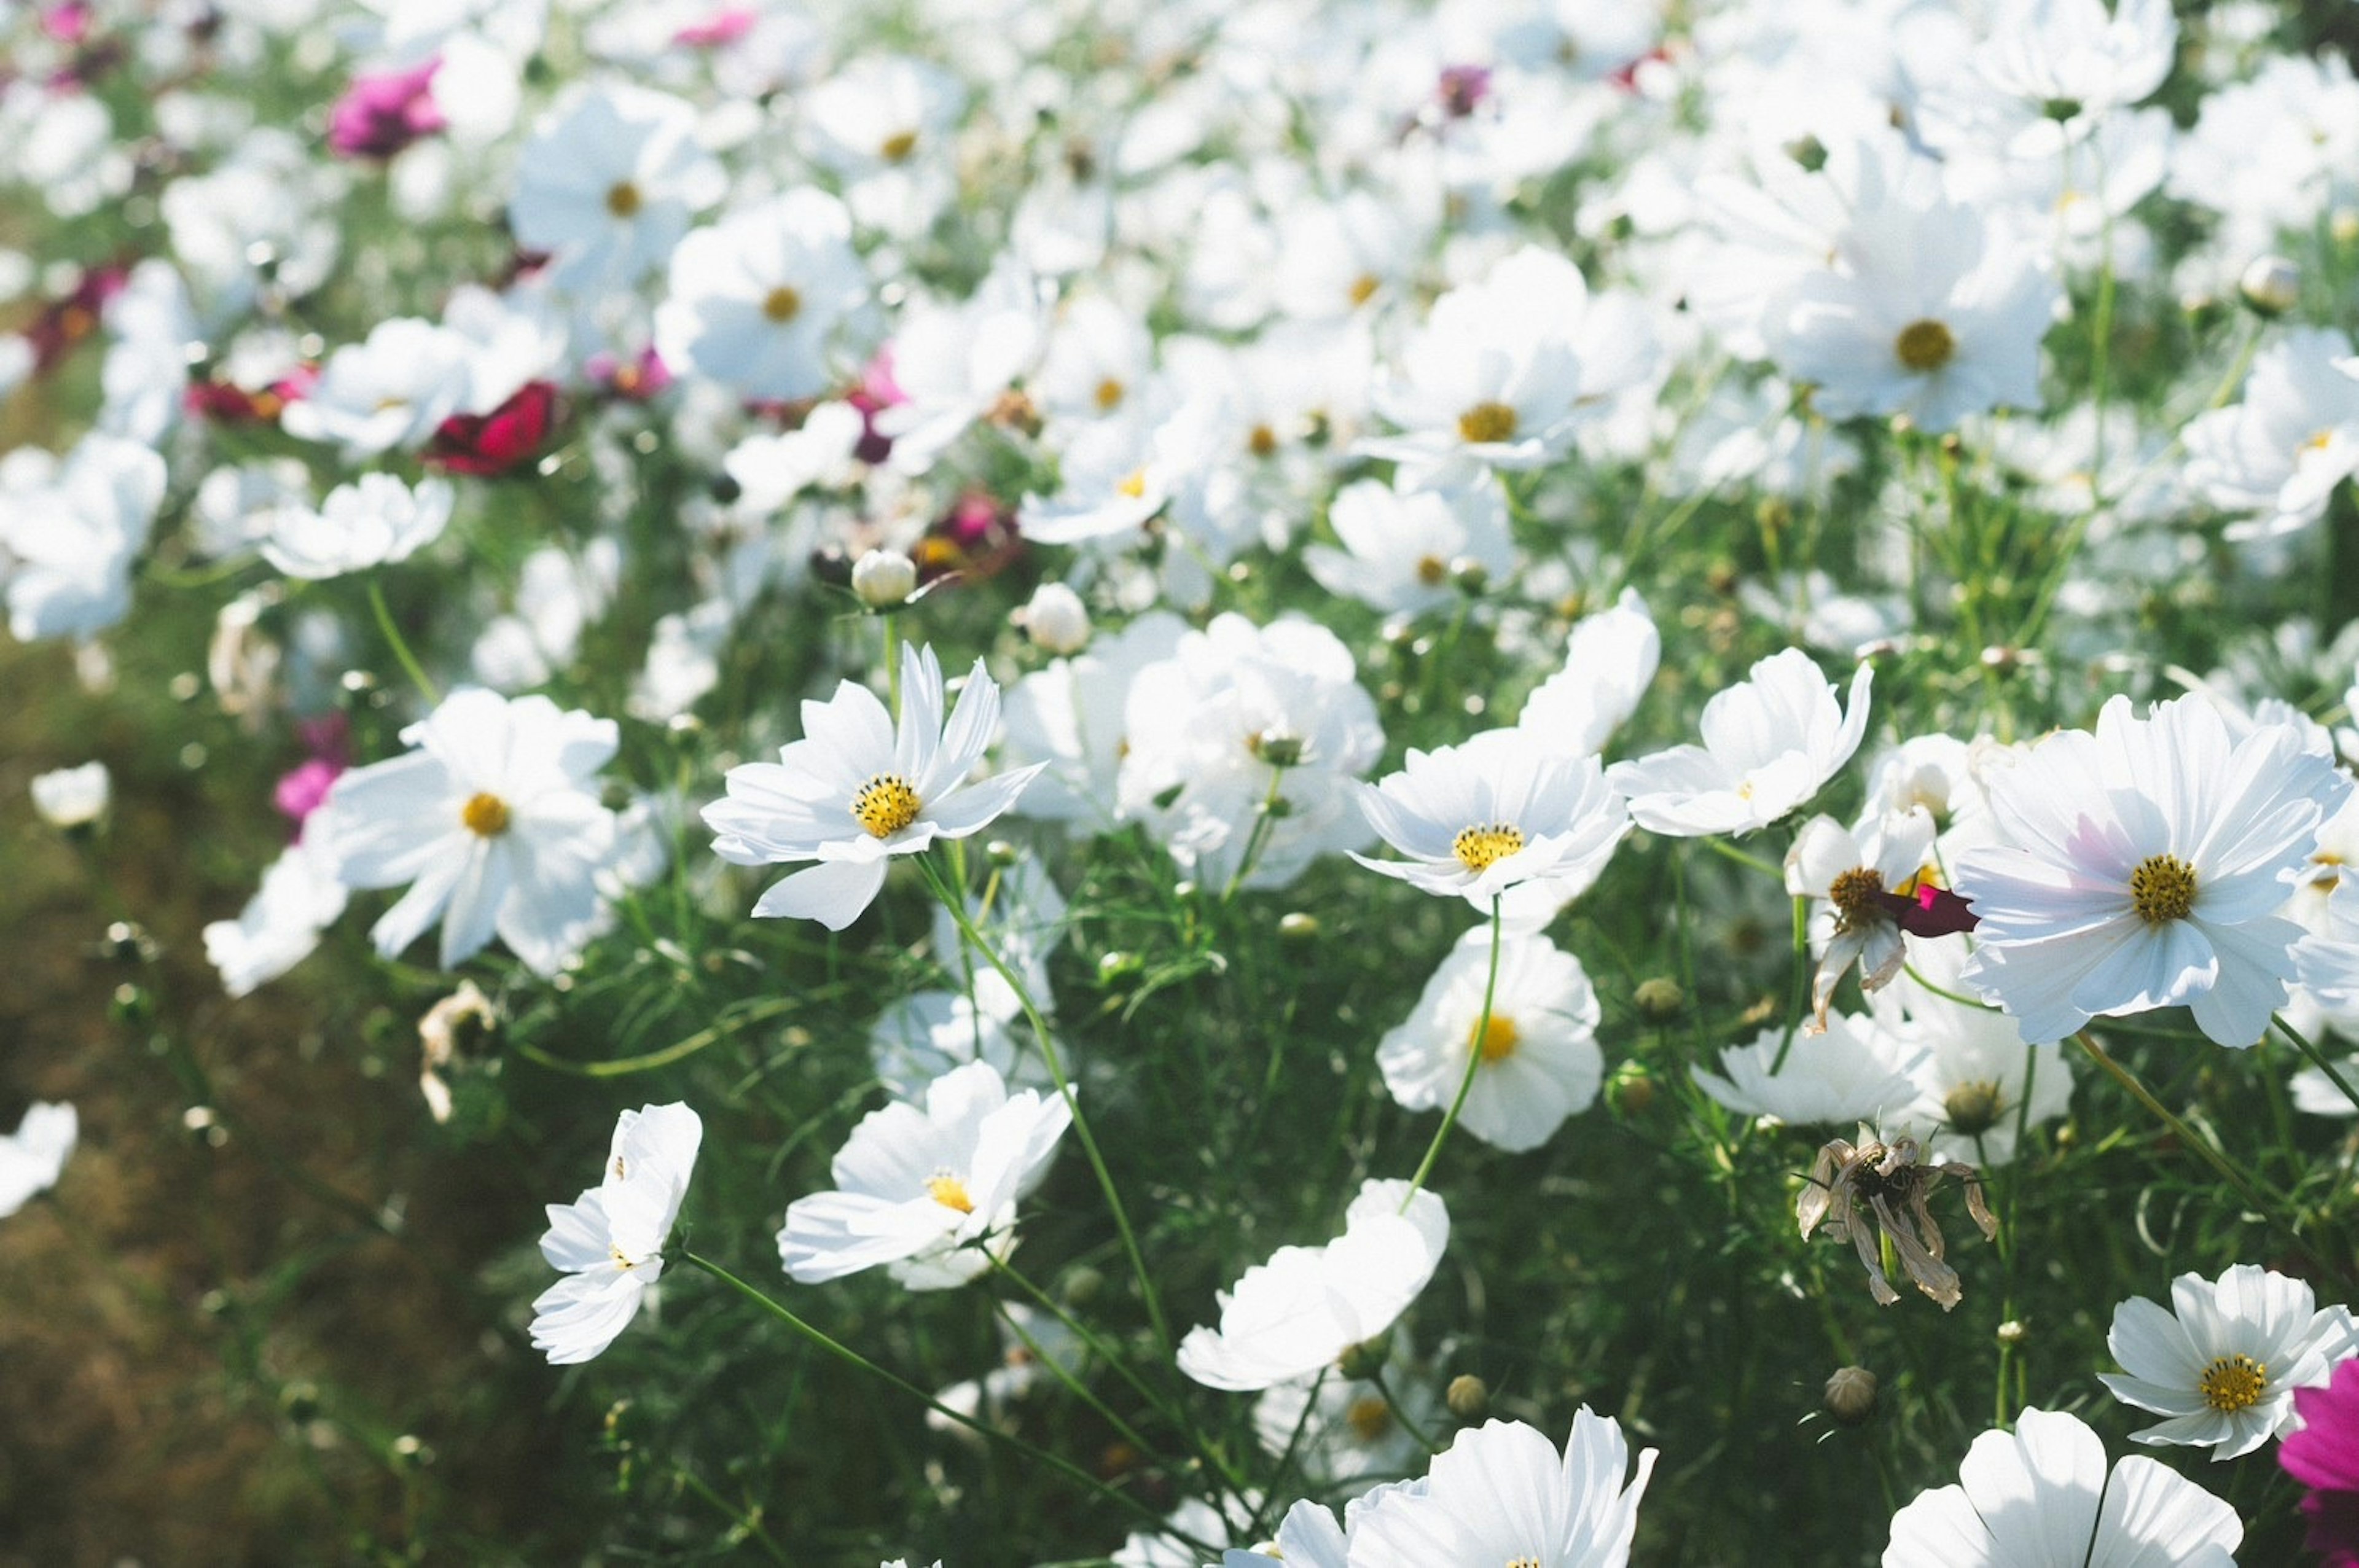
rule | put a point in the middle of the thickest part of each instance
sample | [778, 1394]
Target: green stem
[751, 1524]
[953, 901]
[854, 1357]
[1473, 1065]
[1401, 1415]
[2317, 1058]
[1258, 839]
[892, 660]
[408, 660]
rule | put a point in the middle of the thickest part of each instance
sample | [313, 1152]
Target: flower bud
[1000, 852]
[1849, 1395]
[2271, 286]
[72, 798]
[1297, 928]
[1632, 1089]
[1974, 1108]
[1367, 1358]
[1660, 998]
[1056, 620]
[2013, 1331]
[884, 578]
[1468, 1397]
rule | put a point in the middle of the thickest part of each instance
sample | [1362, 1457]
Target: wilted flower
[1875, 1189]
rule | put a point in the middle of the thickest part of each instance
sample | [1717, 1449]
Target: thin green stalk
[749, 1523]
[845, 1353]
[1798, 999]
[1258, 839]
[2317, 1058]
[1401, 1414]
[1473, 1065]
[956, 904]
[892, 660]
[1727, 850]
[408, 660]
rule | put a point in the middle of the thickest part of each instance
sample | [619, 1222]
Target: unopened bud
[1974, 1108]
[1468, 1397]
[1000, 852]
[1367, 1358]
[1278, 749]
[1632, 1090]
[2271, 286]
[1849, 1395]
[1470, 575]
[1297, 927]
[1660, 998]
[884, 578]
[1056, 620]
[72, 798]
[2013, 1331]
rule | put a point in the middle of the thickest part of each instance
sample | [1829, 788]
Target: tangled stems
[854, 1357]
[1473, 1065]
[2271, 1209]
[956, 905]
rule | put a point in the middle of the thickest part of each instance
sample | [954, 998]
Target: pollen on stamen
[485, 816]
[2233, 1383]
[782, 305]
[2162, 889]
[1486, 844]
[1853, 894]
[1926, 345]
[1487, 422]
[1495, 1040]
[884, 806]
[1369, 1419]
[949, 1192]
[622, 198]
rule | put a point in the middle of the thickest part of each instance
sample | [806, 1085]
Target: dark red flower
[66, 321]
[1929, 911]
[495, 442]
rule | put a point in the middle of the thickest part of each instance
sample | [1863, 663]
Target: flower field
[986, 782]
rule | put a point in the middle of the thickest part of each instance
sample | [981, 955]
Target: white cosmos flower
[1071, 717]
[927, 1033]
[1308, 1537]
[1856, 1070]
[916, 1186]
[1609, 661]
[300, 896]
[609, 183]
[2053, 53]
[856, 790]
[32, 1157]
[75, 536]
[1540, 1061]
[1501, 810]
[1846, 876]
[372, 522]
[953, 362]
[1938, 315]
[73, 797]
[1770, 741]
[394, 390]
[494, 821]
[1977, 1079]
[1502, 1494]
[1403, 545]
[2039, 1496]
[1307, 1305]
[2223, 1363]
[2144, 866]
[609, 1241]
[759, 301]
[2278, 454]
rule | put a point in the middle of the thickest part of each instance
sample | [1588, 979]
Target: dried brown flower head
[1871, 1190]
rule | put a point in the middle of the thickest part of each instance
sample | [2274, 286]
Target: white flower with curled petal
[1770, 741]
[1504, 810]
[609, 1241]
[2040, 1497]
[494, 820]
[1504, 1494]
[857, 790]
[1306, 1306]
[918, 1187]
[1609, 661]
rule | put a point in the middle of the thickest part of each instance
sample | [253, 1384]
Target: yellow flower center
[2162, 889]
[1497, 1039]
[949, 1192]
[1853, 894]
[1432, 570]
[1369, 1418]
[1364, 287]
[884, 806]
[1135, 486]
[1486, 422]
[622, 198]
[486, 815]
[1108, 394]
[897, 146]
[1486, 844]
[2233, 1383]
[1261, 441]
[622, 1259]
[1925, 346]
[782, 305]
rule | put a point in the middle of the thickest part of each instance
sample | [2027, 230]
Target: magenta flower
[379, 115]
[2325, 1456]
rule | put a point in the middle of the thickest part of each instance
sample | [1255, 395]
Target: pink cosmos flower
[2325, 1456]
[381, 113]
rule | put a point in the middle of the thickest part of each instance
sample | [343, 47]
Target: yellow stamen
[2233, 1383]
[885, 805]
[2162, 889]
[1432, 570]
[782, 305]
[1853, 894]
[486, 815]
[950, 1193]
[897, 146]
[1486, 422]
[1364, 287]
[1135, 486]
[1369, 1418]
[1261, 441]
[1108, 394]
[622, 198]
[1925, 346]
[1487, 843]
[1498, 1039]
